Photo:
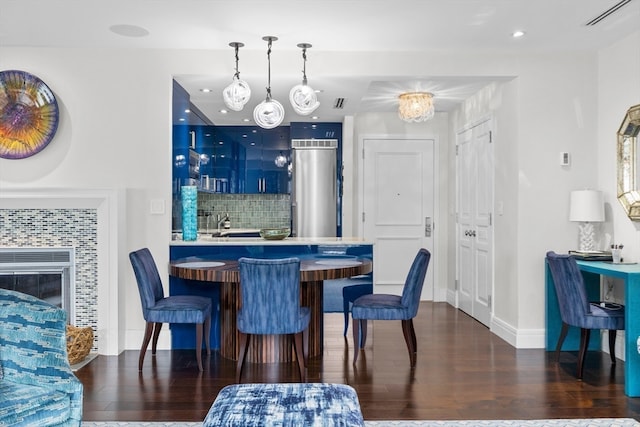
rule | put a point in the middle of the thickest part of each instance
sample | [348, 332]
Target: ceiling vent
[616, 7]
[338, 104]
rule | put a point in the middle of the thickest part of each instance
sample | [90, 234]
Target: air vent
[607, 13]
[338, 104]
[314, 143]
[34, 256]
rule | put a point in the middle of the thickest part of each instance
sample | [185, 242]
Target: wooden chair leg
[156, 334]
[207, 334]
[584, 344]
[244, 346]
[410, 339]
[145, 343]
[563, 335]
[345, 309]
[297, 343]
[199, 345]
[612, 345]
[356, 338]
[364, 325]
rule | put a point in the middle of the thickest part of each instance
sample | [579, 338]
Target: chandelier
[302, 97]
[269, 113]
[237, 94]
[415, 106]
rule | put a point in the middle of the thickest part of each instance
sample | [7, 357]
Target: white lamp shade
[586, 206]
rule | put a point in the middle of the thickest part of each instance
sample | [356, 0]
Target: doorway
[398, 189]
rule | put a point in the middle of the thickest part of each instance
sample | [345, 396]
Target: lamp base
[587, 241]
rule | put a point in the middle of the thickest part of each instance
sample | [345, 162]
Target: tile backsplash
[245, 210]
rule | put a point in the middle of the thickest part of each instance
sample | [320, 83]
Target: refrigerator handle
[294, 219]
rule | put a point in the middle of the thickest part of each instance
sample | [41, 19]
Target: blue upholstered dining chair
[270, 292]
[576, 310]
[392, 307]
[158, 309]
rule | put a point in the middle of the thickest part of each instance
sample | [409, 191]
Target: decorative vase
[189, 212]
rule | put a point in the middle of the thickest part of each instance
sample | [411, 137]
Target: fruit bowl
[274, 233]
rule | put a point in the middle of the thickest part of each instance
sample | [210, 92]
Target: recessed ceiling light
[127, 30]
[205, 90]
[315, 117]
[187, 111]
[181, 119]
[517, 34]
[223, 111]
[245, 120]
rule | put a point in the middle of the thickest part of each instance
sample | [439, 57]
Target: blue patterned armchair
[36, 382]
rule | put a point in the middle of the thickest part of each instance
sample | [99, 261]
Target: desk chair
[575, 309]
[392, 307]
[270, 292]
[158, 309]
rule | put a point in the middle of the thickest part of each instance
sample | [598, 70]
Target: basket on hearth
[79, 343]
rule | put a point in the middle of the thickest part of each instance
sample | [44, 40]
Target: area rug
[592, 422]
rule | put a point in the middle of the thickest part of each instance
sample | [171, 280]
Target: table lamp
[587, 207]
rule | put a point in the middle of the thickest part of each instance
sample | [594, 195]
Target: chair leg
[410, 338]
[356, 339]
[145, 343]
[297, 343]
[364, 325]
[345, 308]
[156, 334]
[563, 335]
[584, 344]
[199, 345]
[612, 345]
[305, 343]
[207, 334]
[244, 346]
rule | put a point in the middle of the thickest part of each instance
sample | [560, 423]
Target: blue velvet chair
[392, 307]
[576, 310]
[354, 290]
[158, 309]
[270, 291]
[37, 386]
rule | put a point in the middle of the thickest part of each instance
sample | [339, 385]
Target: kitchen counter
[259, 241]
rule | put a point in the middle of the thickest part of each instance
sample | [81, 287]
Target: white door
[475, 227]
[398, 200]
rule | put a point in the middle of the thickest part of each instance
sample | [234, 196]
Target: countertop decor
[275, 233]
[28, 114]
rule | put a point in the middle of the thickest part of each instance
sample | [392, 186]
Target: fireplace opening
[45, 273]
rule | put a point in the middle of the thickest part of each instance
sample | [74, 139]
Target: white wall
[115, 133]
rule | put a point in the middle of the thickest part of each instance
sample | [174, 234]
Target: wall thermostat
[565, 159]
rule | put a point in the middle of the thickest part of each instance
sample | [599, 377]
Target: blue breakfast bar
[209, 267]
[592, 271]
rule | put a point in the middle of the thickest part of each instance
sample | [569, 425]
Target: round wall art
[28, 114]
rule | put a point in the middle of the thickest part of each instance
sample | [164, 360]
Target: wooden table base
[270, 348]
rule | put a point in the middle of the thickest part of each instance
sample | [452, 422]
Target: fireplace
[45, 273]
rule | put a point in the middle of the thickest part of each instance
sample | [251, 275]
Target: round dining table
[314, 269]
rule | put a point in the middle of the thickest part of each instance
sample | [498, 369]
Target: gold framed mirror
[628, 163]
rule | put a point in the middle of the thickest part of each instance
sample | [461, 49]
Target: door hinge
[455, 286]
[362, 216]
[363, 153]
[489, 302]
[490, 218]
[457, 146]
[490, 136]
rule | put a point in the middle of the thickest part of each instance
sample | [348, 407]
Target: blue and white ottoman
[296, 404]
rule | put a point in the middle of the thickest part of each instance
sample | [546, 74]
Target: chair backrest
[415, 280]
[270, 290]
[148, 278]
[570, 288]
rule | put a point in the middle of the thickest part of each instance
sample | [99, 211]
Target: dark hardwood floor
[463, 372]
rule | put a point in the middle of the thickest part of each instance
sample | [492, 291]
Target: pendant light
[302, 97]
[269, 113]
[237, 94]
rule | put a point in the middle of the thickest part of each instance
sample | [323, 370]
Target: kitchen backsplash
[245, 210]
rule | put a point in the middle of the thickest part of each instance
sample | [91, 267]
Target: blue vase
[189, 212]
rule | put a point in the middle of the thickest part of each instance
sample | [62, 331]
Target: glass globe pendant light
[269, 113]
[302, 97]
[237, 94]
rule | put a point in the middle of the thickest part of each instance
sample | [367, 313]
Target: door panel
[398, 196]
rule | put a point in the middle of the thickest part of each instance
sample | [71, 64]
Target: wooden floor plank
[463, 371]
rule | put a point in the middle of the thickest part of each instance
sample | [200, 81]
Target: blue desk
[592, 271]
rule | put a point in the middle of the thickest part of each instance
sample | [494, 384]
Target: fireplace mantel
[107, 204]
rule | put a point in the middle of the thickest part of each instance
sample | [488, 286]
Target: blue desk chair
[392, 307]
[576, 310]
[158, 309]
[352, 292]
[270, 292]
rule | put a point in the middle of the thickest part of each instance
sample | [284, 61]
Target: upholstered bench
[304, 404]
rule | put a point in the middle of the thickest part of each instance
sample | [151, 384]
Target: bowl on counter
[274, 233]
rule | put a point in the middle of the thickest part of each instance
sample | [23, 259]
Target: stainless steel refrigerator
[314, 187]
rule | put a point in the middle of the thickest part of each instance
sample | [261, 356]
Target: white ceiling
[374, 26]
